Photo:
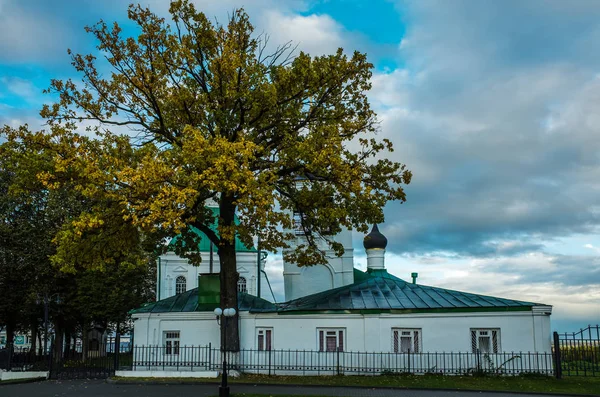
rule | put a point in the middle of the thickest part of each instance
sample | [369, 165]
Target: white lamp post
[228, 312]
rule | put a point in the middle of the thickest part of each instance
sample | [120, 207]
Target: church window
[298, 229]
[330, 339]
[406, 340]
[171, 339]
[485, 340]
[242, 285]
[180, 284]
[264, 338]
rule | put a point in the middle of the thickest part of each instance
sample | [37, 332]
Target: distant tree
[217, 116]
[99, 275]
[26, 225]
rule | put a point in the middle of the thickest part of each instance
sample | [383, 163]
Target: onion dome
[375, 240]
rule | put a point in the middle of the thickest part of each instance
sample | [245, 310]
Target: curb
[20, 381]
[300, 386]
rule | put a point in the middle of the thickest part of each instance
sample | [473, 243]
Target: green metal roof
[379, 291]
[188, 302]
[374, 291]
[204, 245]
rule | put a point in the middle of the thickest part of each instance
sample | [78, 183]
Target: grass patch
[528, 383]
[261, 395]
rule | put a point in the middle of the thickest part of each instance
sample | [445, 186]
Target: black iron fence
[307, 362]
[573, 354]
[578, 353]
[22, 359]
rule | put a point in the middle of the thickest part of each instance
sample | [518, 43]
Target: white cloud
[593, 248]
[315, 34]
[21, 88]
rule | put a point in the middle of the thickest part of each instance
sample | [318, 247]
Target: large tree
[215, 114]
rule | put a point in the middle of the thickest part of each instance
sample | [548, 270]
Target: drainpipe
[258, 267]
[267, 278]
[210, 262]
[159, 277]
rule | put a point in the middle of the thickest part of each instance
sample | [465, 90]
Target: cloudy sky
[492, 104]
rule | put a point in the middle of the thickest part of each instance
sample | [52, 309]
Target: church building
[336, 307]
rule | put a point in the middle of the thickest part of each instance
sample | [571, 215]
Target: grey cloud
[498, 121]
[571, 270]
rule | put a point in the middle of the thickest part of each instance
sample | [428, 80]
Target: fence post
[270, 352]
[337, 363]
[557, 358]
[117, 350]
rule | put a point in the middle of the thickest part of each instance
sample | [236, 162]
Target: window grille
[406, 340]
[485, 340]
[242, 285]
[171, 339]
[331, 340]
[180, 284]
[265, 339]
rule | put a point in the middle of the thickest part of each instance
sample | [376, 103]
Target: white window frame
[266, 333]
[172, 342]
[493, 334]
[242, 284]
[414, 334]
[179, 284]
[324, 333]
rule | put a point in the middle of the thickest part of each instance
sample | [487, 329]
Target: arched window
[242, 285]
[180, 284]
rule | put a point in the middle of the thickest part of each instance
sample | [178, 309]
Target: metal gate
[578, 353]
[100, 362]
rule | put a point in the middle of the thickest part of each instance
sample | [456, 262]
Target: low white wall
[166, 374]
[23, 375]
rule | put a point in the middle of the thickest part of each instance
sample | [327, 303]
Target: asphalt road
[97, 388]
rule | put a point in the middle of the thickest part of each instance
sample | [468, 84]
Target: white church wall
[443, 332]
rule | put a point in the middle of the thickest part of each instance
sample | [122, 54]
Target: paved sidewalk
[98, 388]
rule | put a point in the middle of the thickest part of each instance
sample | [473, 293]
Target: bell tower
[306, 280]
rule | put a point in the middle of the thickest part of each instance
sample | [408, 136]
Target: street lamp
[228, 312]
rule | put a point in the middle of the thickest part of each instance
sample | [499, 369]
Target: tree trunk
[57, 343]
[10, 334]
[34, 334]
[85, 340]
[228, 278]
[67, 347]
[41, 346]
